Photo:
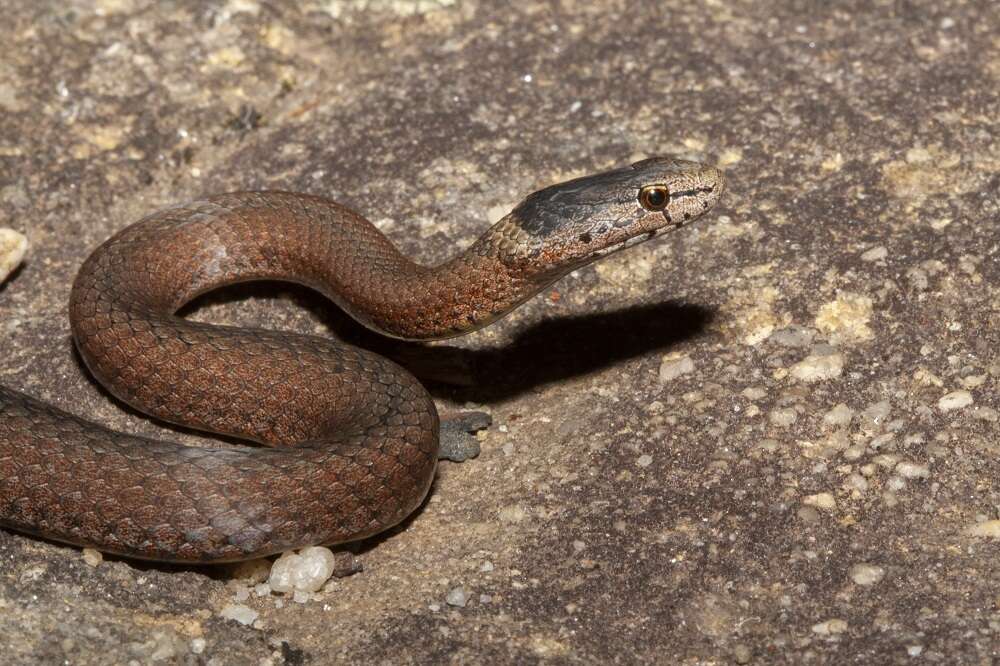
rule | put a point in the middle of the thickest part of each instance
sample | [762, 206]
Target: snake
[341, 443]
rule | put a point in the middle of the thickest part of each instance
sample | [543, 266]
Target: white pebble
[12, 249]
[457, 596]
[867, 574]
[305, 571]
[197, 645]
[671, 368]
[986, 414]
[817, 367]
[858, 482]
[644, 460]
[955, 400]
[807, 514]
[912, 470]
[793, 336]
[882, 441]
[914, 650]
[878, 412]
[840, 415]
[486, 566]
[240, 613]
[92, 557]
[824, 501]
[783, 417]
[987, 528]
[834, 626]
[875, 254]
[854, 452]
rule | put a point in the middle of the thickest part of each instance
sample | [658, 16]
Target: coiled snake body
[352, 437]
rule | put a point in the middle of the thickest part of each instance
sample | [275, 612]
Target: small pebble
[768, 445]
[742, 654]
[987, 528]
[198, 645]
[858, 482]
[671, 367]
[854, 452]
[986, 414]
[644, 460]
[784, 417]
[304, 571]
[12, 249]
[840, 415]
[877, 413]
[911, 470]
[485, 598]
[817, 367]
[955, 400]
[486, 566]
[875, 254]
[867, 574]
[239, 613]
[457, 596]
[824, 501]
[807, 514]
[793, 336]
[834, 626]
[92, 557]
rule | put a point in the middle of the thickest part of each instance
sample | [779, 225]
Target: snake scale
[351, 438]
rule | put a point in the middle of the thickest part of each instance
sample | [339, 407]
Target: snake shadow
[546, 351]
[557, 349]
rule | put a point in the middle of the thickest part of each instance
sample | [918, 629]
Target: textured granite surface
[770, 438]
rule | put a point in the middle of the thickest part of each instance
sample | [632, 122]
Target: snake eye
[654, 197]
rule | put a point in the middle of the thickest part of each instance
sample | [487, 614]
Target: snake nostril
[585, 238]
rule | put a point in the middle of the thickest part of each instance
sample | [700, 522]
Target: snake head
[566, 226]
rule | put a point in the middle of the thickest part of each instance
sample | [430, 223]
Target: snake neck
[461, 295]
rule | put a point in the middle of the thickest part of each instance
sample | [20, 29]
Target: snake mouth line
[637, 239]
[708, 189]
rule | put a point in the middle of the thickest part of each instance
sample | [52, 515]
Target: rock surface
[13, 246]
[838, 319]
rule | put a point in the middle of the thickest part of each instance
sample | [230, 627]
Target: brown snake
[352, 437]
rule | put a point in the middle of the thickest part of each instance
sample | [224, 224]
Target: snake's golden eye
[654, 197]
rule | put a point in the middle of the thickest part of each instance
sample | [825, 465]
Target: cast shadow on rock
[546, 351]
